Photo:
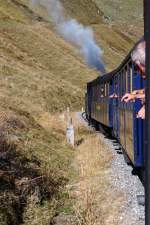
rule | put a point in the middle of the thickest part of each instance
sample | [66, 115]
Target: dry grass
[39, 74]
[96, 203]
[40, 169]
[34, 168]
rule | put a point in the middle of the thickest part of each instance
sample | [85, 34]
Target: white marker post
[70, 133]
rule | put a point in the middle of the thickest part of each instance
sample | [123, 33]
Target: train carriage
[119, 117]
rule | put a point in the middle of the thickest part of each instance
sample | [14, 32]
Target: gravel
[130, 185]
[121, 178]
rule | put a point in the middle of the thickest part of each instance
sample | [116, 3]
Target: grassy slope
[120, 11]
[39, 74]
[128, 15]
[116, 37]
[38, 56]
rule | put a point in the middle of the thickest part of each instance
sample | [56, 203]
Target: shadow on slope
[33, 170]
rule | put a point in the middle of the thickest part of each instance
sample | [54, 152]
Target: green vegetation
[127, 16]
[120, 11]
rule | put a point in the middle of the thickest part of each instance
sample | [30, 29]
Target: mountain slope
[39, 56]
[42, 74]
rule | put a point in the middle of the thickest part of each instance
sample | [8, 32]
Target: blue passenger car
[119, 117]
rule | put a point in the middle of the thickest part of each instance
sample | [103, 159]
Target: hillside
[119, 11]
[30, 44]
[41, 74]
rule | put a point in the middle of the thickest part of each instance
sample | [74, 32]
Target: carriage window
[116, 86]
[96, 91]
[131, 77]
[121, 83]
[106, 89]
[124, 81]
[129, 70]
[126, 89]
[117, 81]
[93, 92]
[102, 91]
[110, 88]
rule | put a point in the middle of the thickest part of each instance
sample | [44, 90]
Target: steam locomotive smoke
[80, 36]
